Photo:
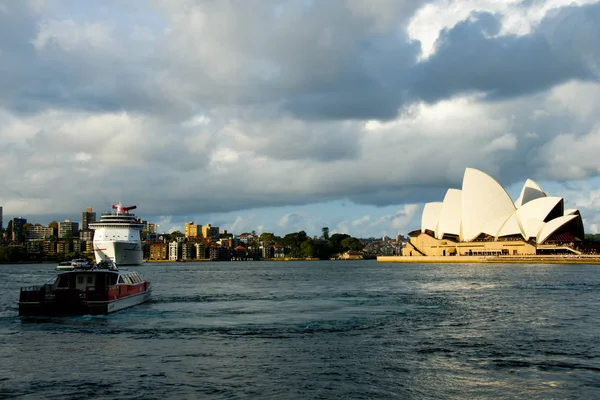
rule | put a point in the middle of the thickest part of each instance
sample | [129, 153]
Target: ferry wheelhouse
[96, 289]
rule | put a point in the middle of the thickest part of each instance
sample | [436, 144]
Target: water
[316, 330]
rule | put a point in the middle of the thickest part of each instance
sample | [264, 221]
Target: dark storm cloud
[371, 86]
[469, 58]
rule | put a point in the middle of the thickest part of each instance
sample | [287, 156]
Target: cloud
[205, 110]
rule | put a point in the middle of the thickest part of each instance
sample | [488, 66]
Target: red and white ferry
[98, 289]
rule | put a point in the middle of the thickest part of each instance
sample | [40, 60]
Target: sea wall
[546, 259]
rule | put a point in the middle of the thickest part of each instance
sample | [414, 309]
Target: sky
[280, 116]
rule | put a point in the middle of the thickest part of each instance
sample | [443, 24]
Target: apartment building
[192, 230]
[210, 232]
[67, 227]
[174, 251]
[38, 232]
[187, 251]
[158, 251]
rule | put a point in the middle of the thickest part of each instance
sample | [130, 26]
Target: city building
[62, 247]
[38, 232]
[202, 251]
[210, 232]
[49, 246]
[87, 217]
[149, 227]
[77, 245]
[67, 227]
[192, 230]
[220, 253]
[174, 251]
[158, 251]
[247, 238]
[86, 235]
[1, 226]
[273, 251]
[481, 219]
[187, 251]
[34, 246]
[18, 235]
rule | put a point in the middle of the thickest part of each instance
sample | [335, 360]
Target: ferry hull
[107, 307]
[69, 303]
[121, 252]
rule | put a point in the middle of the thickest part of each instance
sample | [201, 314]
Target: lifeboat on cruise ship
[96, 290]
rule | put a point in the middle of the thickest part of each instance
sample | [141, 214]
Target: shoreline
[558, 259]
[206, 260]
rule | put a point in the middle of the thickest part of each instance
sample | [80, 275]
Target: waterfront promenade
[533, 259]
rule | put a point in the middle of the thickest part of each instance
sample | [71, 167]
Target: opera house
[481, 219]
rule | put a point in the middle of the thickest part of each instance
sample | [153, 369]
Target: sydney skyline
[281, 116]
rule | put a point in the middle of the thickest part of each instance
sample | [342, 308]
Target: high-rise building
[192, 230]
[17, 229]
[87, 217]
[68, 227]
[1, 226]
[211, 232]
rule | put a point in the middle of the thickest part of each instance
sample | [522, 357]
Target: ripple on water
[316, 330]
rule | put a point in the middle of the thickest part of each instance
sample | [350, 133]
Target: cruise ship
[117, 236]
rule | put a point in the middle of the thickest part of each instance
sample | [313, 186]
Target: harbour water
[316, 330]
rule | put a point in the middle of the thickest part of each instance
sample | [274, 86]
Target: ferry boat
[64, 266]
[99, 289]
[71, 265]
[117, 236]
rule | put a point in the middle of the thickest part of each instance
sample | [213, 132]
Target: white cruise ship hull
[121, 252]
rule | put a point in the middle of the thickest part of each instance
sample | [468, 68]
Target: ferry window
[121, 279]
[80, 279]
[90, 279]
[63, 282]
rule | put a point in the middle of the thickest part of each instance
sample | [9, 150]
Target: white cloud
[83, 157]
[517, 18]
[70, 36]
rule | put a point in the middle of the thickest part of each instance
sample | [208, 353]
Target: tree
[54, 226]
[352, 243]
[174, 235]
[325, 231]
[267, 237]
[24, 229]
[308, 248]
[335, 242]
[293, 241]
[10, 254]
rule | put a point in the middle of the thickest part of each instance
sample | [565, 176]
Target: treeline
[300, 245]
[592, 237]
[15, 254]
